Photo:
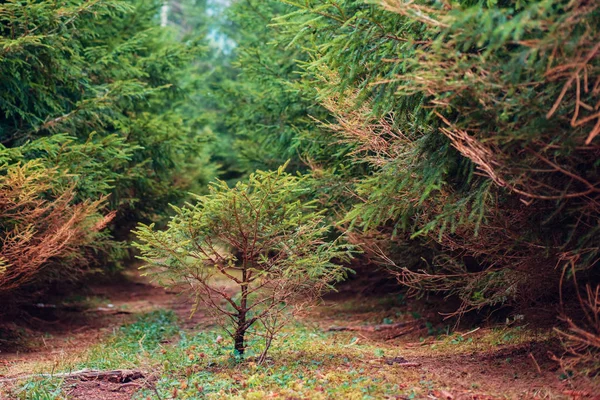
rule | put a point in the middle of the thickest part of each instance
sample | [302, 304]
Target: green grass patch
[305, 363]
[131, 346]
[40, 389]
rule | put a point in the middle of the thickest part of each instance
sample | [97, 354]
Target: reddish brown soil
[506, 371]
[68, 334]
[503, 371]
[101, 391]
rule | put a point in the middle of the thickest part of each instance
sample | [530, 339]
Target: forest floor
[391, 348]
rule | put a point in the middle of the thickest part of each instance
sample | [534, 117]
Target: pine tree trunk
[238, 338]
[240, 332]
[164, 14]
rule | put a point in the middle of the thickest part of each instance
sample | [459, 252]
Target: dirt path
[503, 366]
[64, 341]
[508, 369]
[66, 338]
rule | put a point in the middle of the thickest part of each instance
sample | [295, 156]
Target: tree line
[454, 143]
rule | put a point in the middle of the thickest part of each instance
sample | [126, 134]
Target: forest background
[455, 143]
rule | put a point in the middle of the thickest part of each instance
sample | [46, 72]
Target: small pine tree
[262, 238]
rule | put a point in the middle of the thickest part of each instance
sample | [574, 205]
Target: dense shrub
[476, 127]
[473, 130]
[95, 93]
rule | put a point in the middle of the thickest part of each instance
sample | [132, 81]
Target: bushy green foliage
[255, 102]
[475, 126]
[96, 91]
[108, 77]
[267, 112]
[263, 237]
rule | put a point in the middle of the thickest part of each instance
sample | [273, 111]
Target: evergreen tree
[479, 130]
[457, 126]
[96, 91]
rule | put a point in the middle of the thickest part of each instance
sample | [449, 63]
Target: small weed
[458, 338]
[415, 315]
[566, 375]
[427, 384]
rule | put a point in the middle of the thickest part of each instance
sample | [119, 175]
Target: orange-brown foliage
[40, 227]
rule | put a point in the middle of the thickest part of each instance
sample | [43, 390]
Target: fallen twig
[410, 329]
[468, 333]
[373, 328]
[423, 343]
[537, 366]
[108, 311]
[401, 361]
[116, 376]
[408, 364]
[126, 385]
